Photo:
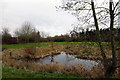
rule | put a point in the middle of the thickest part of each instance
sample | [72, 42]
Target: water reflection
[68, 59]
[52, 58]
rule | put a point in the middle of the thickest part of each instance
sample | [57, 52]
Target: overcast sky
[41, 13]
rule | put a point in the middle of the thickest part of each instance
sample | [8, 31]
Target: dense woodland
[72, 36]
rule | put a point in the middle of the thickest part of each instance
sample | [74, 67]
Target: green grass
[10, 72]
[49, 43]
[46, 44]
[26, 45]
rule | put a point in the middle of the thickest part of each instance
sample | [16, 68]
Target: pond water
[68, 59]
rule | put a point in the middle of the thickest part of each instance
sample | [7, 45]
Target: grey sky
[41, 13]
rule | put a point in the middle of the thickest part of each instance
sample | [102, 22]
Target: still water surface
[68, 59]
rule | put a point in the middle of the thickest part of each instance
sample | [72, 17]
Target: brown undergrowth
[51, 68]
[85, 52]
[12, 57]
[95, 72]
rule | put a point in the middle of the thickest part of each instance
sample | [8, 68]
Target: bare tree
[35, 36]
[25, 31]
[43, 34]
[6, 36]
[103, 14]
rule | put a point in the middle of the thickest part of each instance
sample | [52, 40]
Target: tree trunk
[112, 31]
[98, 32]
[106, 63]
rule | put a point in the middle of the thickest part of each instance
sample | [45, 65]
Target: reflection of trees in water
[52, 58]
[69, 58]
[66, 59]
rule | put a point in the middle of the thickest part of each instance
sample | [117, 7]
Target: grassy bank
[84, 50]
[49, 43]
[81, 49]
[10, 72]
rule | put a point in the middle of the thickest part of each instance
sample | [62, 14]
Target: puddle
[68, 59]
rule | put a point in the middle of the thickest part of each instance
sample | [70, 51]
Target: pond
[68, 59]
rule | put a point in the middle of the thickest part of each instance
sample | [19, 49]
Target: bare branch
[82, 1]
[117, 14]
[116, 9]
[116, 5]
[102, 8]
[87, 20]
[82, 9]
[104, 23]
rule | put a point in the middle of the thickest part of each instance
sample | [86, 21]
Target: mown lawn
[49, 43]
[10, 72]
